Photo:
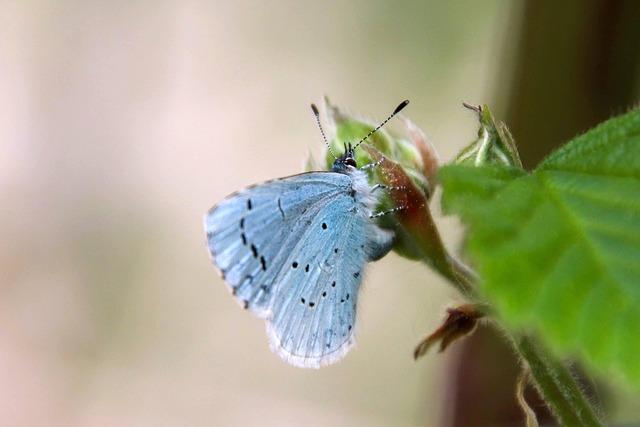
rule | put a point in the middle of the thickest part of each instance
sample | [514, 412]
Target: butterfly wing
[314, 313]
[252, 232]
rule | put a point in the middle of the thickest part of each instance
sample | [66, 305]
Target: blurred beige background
[121, 123]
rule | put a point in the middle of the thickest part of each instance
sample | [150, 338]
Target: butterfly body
[293, 251]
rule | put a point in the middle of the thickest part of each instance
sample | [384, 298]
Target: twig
[552, 379]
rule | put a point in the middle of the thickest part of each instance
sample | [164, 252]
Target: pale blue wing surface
[314, 314]
[251, 232]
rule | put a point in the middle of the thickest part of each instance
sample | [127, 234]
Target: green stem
[552, 379]
[463, 277]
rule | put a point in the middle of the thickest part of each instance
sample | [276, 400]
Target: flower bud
[411, 150]
[408, 171]
[494, 145]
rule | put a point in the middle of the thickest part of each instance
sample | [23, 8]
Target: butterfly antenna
[317, 114]
[396, 111]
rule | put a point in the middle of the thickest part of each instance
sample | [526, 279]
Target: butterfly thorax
[346, 164]
[361, 192]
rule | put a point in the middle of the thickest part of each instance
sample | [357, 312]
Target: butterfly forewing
[250, 231]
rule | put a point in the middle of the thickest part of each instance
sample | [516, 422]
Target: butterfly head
[342, 163]
[347, 160]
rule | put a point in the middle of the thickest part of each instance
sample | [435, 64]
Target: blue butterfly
[293, 251]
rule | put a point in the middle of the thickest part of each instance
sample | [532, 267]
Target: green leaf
[558, 249]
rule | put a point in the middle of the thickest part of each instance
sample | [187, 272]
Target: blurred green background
[121, 123]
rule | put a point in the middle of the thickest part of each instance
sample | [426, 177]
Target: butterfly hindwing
[252, 230]
[314, 313]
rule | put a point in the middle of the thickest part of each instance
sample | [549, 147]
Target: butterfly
[292, 251]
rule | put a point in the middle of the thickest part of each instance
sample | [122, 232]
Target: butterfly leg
[372, 165]
[382, 213]
[387, 187]
[378, 187]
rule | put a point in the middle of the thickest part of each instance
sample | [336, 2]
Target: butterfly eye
[350, 161]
